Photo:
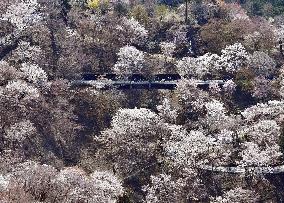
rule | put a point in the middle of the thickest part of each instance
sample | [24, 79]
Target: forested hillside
[220, 143]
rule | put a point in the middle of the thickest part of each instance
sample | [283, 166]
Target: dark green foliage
[263, 7]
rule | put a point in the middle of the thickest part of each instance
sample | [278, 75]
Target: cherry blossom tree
[262, 64]
[237, 195]
[77, 3]
[191, 99]
[186, 66]
[34, 73]
[136, 32]
[23, 14]
[44, 183]
[69, 185]
[234, 57]
[216, 117]
[19, 90]
[265, 132]
[130, 61]
[198, 67]
[189, 151]
[270, 110]
[20, 131]
[254, 155]
[236, 12]
[214, 88]
[4, 183]
[229, 87]
[279, 32]
[73, 184]
[164, 188]
[31, 179]
[8, 72]
[105, 186]
[133, 141]
[167, 111]
[25, 52]
[189, 92]
[261, 146]
[263, 88]
[260, 134]
[168, 48]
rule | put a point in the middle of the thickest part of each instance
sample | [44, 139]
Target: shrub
[140, 14]
[93, 4]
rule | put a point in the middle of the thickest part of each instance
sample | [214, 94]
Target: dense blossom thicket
[210, 143]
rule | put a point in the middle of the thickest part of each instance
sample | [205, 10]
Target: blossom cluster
[168, 48]
[21, 89]
[130, 60]
[26, 52]
[198, 67]
[23, 14]
[33, 73]
[261, 146]
[137, 32]
[271, 110]
[131, 120]
[164, 188]
[132, 138]
[187, 149]
[20, 131]
[233, 58]
[216, 115]
[166, 111]
[237, 195]
[70, 184]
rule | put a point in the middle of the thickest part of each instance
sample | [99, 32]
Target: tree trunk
[186, 11]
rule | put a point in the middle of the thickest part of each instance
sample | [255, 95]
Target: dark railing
[135, 81]
[245, 169]
[131, 77]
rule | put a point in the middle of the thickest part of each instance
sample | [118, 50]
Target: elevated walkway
[249, 169]
[132, 84]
